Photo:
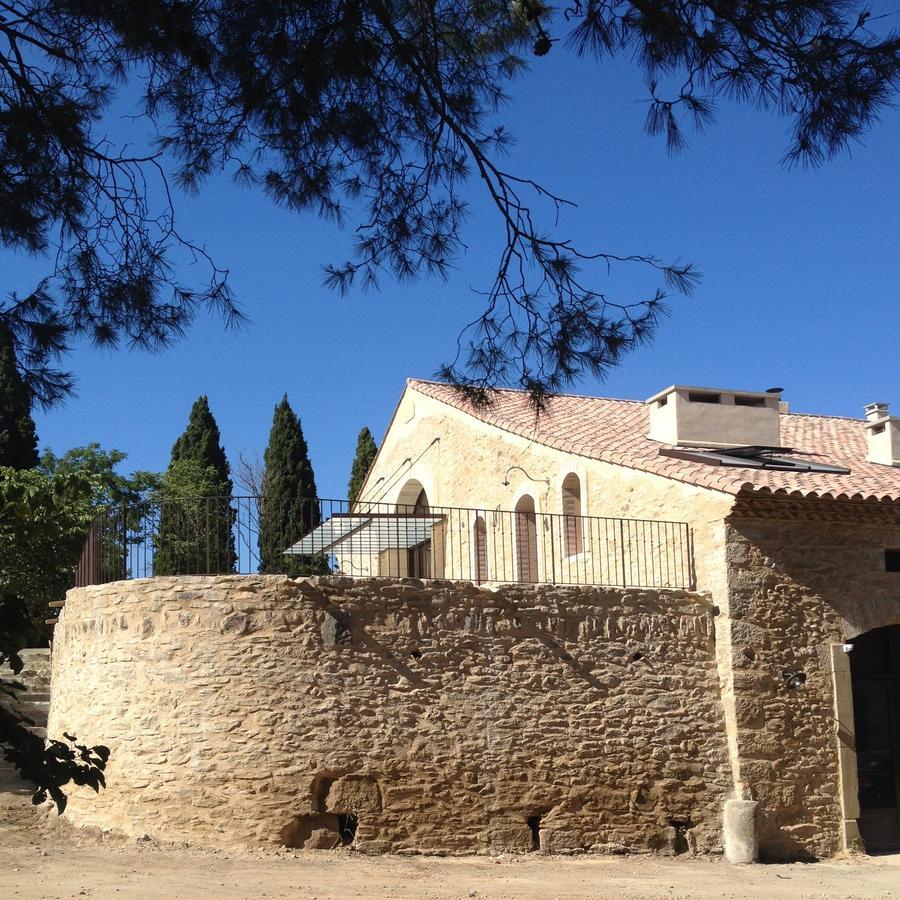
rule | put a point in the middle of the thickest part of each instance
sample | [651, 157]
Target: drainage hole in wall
[679, 841]
[416, 654]
[534, 823]
[347, 825]
[636, 656]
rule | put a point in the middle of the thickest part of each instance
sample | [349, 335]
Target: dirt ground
[39, 859]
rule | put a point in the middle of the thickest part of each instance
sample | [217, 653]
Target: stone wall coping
[329, 585]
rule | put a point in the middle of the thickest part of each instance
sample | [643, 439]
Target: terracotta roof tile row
[615, 431]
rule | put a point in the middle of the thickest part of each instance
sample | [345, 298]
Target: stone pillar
[845, 734]
[741, 833]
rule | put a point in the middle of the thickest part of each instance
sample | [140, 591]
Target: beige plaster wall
[463, 462]
[797, 588]
[256, 709]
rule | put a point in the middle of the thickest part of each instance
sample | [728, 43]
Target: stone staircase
[34, 701]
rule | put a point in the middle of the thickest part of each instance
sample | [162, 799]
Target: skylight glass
[753, 458]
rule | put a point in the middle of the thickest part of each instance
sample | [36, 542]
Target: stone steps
[32, 700]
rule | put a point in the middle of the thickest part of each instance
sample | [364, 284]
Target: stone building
[590, 630]
[795, 528]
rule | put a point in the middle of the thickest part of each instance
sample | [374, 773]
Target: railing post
[622, 550]
[552, 550]
[124, 541]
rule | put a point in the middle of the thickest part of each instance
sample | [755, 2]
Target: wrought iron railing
[215, 535]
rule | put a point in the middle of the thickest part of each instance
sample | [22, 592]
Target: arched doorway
[526, 540]
[480, 551]
[875, 672]
[414, 502]
[571, 507]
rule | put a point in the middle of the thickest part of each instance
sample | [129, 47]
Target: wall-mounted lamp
[505, 481]
[794, 680]
[846, 647]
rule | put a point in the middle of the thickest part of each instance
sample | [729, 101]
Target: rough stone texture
[441, 717]
[461, 461]
[797, 585]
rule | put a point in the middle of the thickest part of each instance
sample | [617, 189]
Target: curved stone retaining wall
[400, 715]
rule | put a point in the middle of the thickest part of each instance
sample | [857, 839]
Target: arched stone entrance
[413, 501]
[875, 674]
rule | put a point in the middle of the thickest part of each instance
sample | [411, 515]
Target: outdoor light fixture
[846, 647]
[505, 481]
[794, 680]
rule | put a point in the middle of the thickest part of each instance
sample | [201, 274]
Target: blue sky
[801, 276]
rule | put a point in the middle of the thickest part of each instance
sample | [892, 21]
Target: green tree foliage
[45, 514]
[43, 523]
[18, 438]
[375, 112]
[366, 449]
[109, 487]
[196, 515]
[288, 508]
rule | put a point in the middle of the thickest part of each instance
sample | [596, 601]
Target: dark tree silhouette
[18, 437]
[375, 112]
[366, 449]
[196, 516]
[288, 507]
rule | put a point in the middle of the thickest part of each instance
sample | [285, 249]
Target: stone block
[508, 834]
[741, 831]
[354, 794]
[315, 831]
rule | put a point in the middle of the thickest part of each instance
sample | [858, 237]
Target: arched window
[526, 540]
[571, 507]
[481, 553]
[413, 502]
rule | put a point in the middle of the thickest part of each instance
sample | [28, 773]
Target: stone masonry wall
[796, 587]
[435, 717]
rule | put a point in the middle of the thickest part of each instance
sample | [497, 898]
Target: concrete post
[741, 836]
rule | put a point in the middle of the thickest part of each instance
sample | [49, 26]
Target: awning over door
[352, 533]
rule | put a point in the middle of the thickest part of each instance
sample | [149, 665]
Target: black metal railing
[216, 535]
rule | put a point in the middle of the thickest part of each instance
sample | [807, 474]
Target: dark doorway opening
[534, 824]
[875, 669]
[418, 557]
[347, 825]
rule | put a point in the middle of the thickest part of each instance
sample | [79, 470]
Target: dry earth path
[40, 860]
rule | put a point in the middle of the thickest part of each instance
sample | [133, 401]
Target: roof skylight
[753, 458]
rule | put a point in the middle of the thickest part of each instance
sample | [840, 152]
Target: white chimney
[882, 435]
[715, 417]
[876, 411]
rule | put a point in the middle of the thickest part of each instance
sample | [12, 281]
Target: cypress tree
[289, 508]
[366, 448]
[18, 438]
[196, 516]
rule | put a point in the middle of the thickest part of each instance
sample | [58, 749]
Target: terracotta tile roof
[615, 431]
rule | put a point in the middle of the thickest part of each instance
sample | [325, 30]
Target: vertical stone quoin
[397, 714]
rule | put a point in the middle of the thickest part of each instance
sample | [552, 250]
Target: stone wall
[434, 717]
[802, 577]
